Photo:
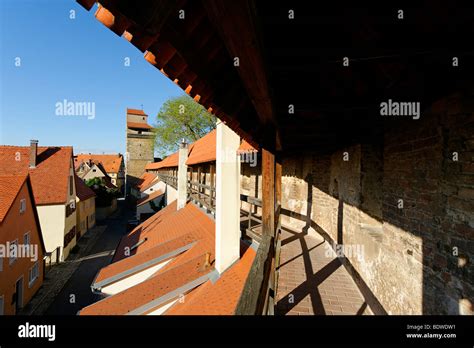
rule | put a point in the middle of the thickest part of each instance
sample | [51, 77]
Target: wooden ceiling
[298, 61]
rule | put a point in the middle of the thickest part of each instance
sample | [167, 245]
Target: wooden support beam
[278, 171]
[268, 193]
[212, 171]
[236, 23]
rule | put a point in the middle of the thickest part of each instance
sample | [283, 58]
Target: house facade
[85, 213]
[21, 271]
[112, 165]
[51, 171]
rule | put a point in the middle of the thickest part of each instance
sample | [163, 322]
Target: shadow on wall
[406, 197]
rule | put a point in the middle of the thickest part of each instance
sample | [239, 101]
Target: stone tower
[140, 146]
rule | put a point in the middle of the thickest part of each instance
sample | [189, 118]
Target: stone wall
[139, 153]
[406, 199]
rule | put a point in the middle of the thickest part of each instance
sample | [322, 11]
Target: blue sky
[79, 60]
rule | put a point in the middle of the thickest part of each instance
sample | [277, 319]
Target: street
[77, 294]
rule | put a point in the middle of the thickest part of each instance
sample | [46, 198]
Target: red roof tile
[82, 190]
[146, 180]
[221, 297]
[49, 178]
[203, 150]
[116, 268]
[245, 146]
[169, 224]
[111, 163]
[169, 162]
[138, 125]
[10, 186]
[149, 198]
[136, 112]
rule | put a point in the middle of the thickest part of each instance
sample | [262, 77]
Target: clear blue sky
[75, 59]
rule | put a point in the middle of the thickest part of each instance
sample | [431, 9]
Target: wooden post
[211, 183]
[268, 193]
[278, 170]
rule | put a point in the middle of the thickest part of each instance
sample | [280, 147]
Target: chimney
[33, 153]
[182, 174]
[227, 197]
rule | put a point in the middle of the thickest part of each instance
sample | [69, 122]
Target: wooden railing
[250, 229]
[169, 180]
[197, 193]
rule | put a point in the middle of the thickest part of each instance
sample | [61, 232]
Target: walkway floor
[313, 281]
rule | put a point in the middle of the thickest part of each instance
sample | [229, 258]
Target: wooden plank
[278, 170]
[268, 192]
[253, 297]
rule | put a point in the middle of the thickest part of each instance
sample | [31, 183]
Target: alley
[77, 294]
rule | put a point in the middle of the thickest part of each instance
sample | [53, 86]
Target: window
[33, 274]
[94, 170]
[13, 251]
[27, 238]
[71, 185]
[1, 264]
[1, 305]
[22, 205]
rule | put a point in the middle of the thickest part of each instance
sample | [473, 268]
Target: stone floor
[312, 280]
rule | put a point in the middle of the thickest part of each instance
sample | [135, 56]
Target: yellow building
[85, 213]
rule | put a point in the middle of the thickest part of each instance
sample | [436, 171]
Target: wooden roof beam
[236, 23]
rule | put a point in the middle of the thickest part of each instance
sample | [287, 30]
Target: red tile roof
[49, 178]
[146, 180]
[114, 270]
[168, 225]
[203, 150]
[111, 163]
[82, 190]
[245, 146]
[221, 297]
[149, 198]
[169, 162]
[184, 238]
[136, 112]
[10, 186]
[138, 125]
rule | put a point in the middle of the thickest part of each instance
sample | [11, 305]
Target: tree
[181, 118]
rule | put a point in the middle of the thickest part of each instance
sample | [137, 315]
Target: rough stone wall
[139, 153]
[406, 201]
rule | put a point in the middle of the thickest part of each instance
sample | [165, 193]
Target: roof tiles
[50, 177]
[10, 186]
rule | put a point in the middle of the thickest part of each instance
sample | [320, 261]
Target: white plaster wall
[132, 280]
[52, 221]
[171, 194]
[163, 309]
[227, 197]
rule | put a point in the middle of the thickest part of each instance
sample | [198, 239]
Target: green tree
[181, 118]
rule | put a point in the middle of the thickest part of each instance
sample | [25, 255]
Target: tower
[140, 146]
